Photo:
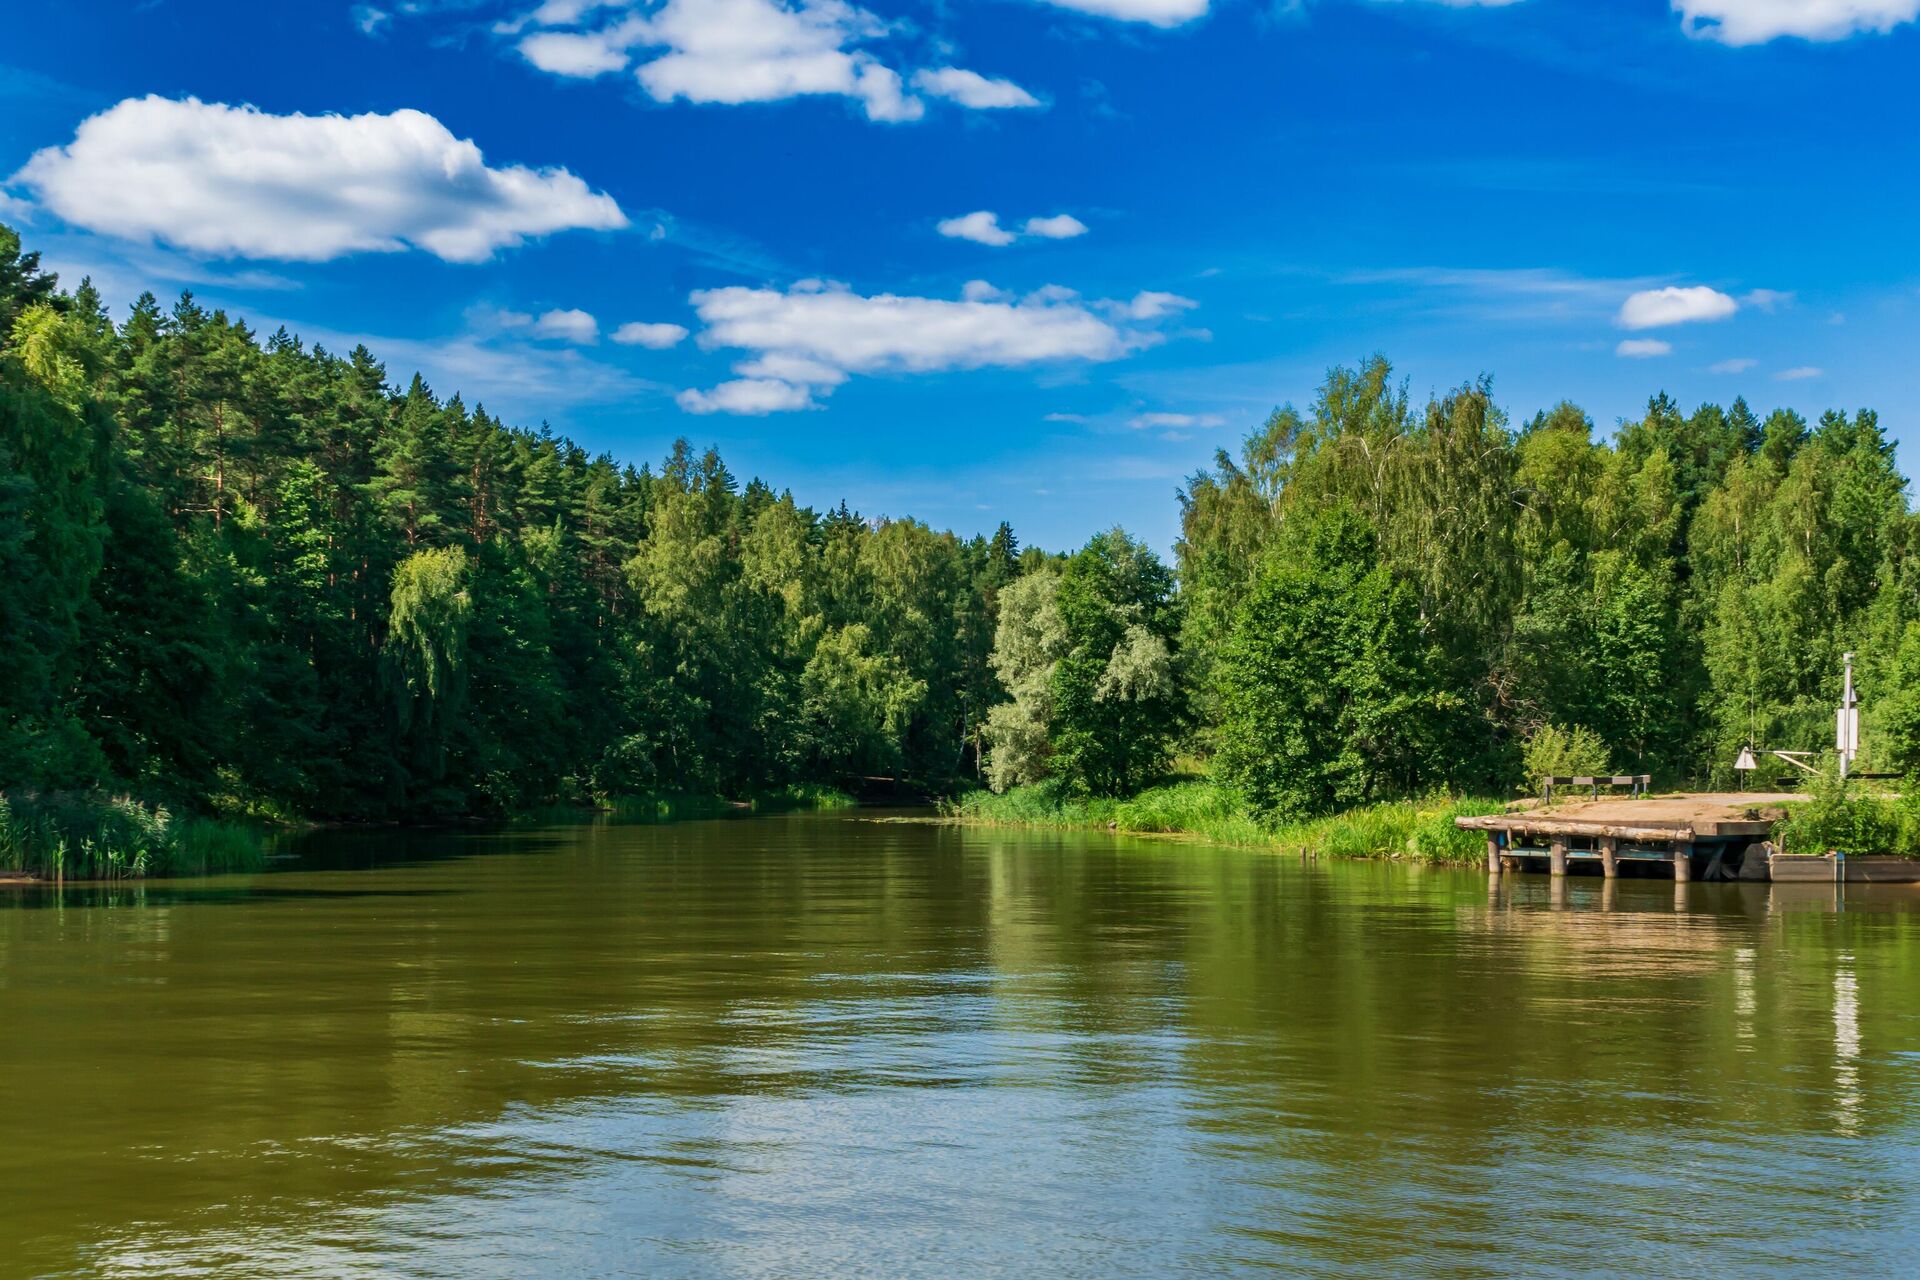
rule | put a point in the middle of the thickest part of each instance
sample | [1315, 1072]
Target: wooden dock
[1711, 829]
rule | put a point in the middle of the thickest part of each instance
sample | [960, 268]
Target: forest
[245, 577]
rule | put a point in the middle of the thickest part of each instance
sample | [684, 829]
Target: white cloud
[1061, 226]
[1159, 13]
[236, 181]
[1147, 421]
[1065, 417]
[572, 325]
[657, 337]
[1745, 22]
[1658, 308]
[1739, 364]
[971, 89]
[1767, 300]
[1643, 348]
[750, 397]
[981, 226]
[1800, 374]
[580, 54]
[1153, 306]
[369, 20]
[814, 335]
[740, 51]
[736, 51]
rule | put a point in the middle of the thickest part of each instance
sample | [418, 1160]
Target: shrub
[1842, 815]
[1554, 752]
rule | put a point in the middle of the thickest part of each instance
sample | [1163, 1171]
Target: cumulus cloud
[1658, 308]
[1767, 300]
[1739, 364]
[740, 51]
[580, 54]
[971, 89]
[1158, 13]
[981, 226]
[811, 337]
[1746, 22]
[237, 182]
[1643, 348]
[1153, 306]
[736, 51]
[657, 337]
[1061, 226]
[572, 325]
[750, 397]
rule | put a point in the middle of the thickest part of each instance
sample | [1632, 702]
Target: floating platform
[1708, 831]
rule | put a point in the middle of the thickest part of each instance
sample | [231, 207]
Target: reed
[92, 836]
[1418, 829]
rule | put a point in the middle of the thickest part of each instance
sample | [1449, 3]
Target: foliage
[1088, 655]
[1683, 588]
[243, 574]
[239, 573]
[1028, 644]
[1329, 691]
[1844, 815]
[1418, 829]
[1556, 752]
[1117, 698]
[75, 836]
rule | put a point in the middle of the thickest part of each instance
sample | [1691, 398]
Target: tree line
[254, 576]
[247, 575]
[1376, 599]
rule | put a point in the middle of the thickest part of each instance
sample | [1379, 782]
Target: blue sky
[1585, 200]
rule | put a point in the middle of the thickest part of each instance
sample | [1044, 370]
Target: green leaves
[1330, 695]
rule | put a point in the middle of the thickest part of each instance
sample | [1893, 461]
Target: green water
[823, 1046]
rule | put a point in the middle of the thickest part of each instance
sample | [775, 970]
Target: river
[829, 1046]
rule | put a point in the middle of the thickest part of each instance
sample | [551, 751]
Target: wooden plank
[1573, 827]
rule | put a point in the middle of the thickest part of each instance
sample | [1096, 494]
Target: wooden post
[1557, 856]
[1682, 861]
[1493, 854]
[1609, 857]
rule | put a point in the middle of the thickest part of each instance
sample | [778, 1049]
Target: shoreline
[118, 838]
[1417, 830]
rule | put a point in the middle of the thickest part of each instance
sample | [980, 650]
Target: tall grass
[75, 836]
[1420, 830]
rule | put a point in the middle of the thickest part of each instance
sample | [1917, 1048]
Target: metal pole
[1846, 700]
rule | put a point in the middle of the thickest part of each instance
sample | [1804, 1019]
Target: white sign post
[1846, 723]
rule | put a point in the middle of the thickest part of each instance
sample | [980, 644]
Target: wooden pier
[1709, 832]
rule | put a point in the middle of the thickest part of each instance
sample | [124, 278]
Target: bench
[1639, 782]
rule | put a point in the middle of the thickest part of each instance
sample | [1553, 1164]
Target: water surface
[827, 1046]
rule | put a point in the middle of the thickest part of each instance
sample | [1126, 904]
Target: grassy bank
[680, 806]
[102, 837]
[1420, 830]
